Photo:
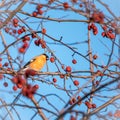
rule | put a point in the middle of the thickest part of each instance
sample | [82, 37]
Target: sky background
[71, 33]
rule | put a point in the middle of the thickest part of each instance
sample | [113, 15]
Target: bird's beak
[47, 58]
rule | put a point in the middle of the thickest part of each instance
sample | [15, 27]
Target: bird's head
[47, 58]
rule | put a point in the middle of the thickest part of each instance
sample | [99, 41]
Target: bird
[36, 63]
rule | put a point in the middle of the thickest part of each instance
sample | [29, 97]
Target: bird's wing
[29, 62]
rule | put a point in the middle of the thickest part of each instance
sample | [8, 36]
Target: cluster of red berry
[21, 30]
[93, 27]
[21, 83]
[29, 90]
[89, 105]
[108, 33]
[23, 48]
[26, 39]
[41, 42]
[73, 100]
[97, 17]
[99, 73]
[38, 11]
[66, 5]
[30, 72]
[13, 30]
[15, 22]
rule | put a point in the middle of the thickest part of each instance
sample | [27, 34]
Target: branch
[104, 105]
[40, 112]
[12, 14]
[88, 94]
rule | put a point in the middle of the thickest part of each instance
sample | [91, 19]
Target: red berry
[65, 5]
[43, 44]
[14, 31]
[95, 32]
[15, 80]
[25, 45]
[15, 88]
[40, 12]
[15, 24]
[34, 14]
[52, 59]
[97, 82]
[95, 57]
[76, 82]
[7, 29]
[5, 84]
[19, 85]
[43, 31]
[15, 21]
[81, 5]
[26, 38]
[104, 28]
[89, 27]
[112, 36]
[79, 98]
[74, 61]
[30, 95]
[40, 41]
[103, 34]
[99, 73]
[23, 29]
[88, 104]
[54, 80]
[70, 102]
[36, 42]
[68, 69]
[6, 64]
[29, 72]
[73, 100]
[36, 87]
[62, 76]
[19, 31]
[98, 17]
[22, 50]
[93, 105]
[34, 35]
[22, 81]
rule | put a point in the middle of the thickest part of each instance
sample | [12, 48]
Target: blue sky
[71, 33]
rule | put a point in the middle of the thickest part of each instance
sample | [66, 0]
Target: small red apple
[68, 69]
[74, 61]
[54, 80]
[5, 84]
[15, 88]
[76, 82]
[52, 59]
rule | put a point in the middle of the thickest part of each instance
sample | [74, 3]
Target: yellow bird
[37, 63]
